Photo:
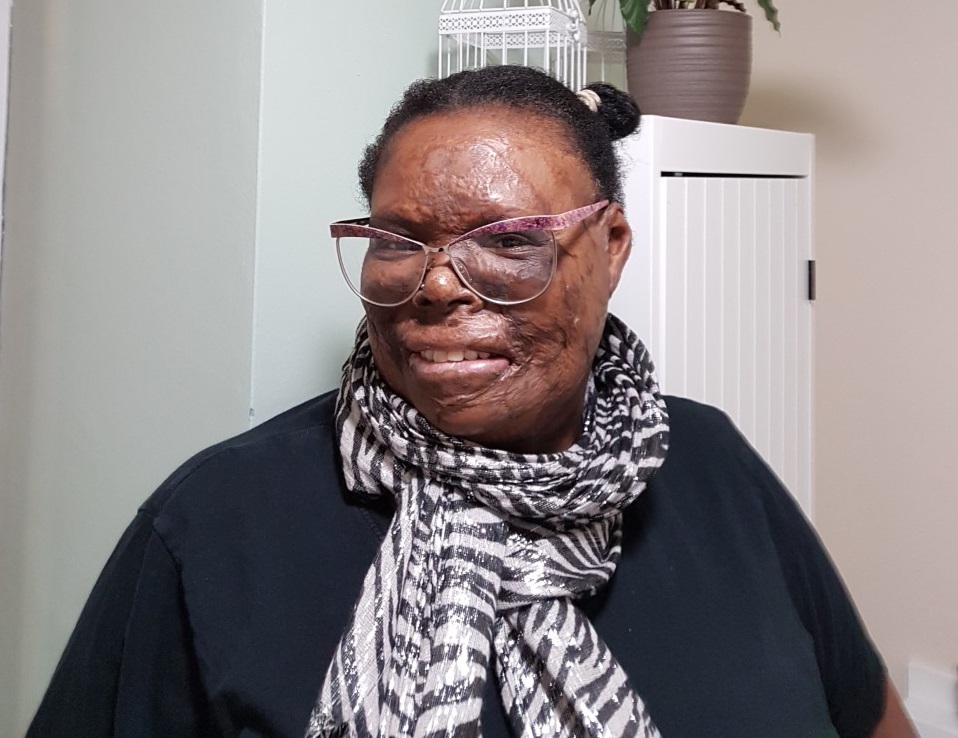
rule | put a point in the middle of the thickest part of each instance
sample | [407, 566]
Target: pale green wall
[144, 182]
[127, 282]
[331, 71]
[127, 278]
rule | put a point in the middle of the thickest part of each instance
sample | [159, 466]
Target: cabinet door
[728, 319]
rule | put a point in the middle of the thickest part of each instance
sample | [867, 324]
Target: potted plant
[636, 13]
[687, 59]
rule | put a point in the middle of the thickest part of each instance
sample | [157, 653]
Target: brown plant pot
[691, 64]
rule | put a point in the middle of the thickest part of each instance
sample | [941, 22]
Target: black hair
[590, 134]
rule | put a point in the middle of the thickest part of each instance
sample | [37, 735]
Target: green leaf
[635, 13]
[771, 13]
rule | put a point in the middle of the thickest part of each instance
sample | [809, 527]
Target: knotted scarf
[483, 560]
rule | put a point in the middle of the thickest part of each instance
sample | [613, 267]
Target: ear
[619, 242]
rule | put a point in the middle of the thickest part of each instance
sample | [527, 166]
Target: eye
[385, 246]
[517, 240]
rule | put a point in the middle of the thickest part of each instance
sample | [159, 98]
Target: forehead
[507, 161]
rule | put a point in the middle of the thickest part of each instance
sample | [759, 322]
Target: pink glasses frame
[360, 228]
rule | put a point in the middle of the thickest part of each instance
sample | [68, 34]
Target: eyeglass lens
[502, 267]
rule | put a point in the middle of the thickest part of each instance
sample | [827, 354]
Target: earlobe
[619, 242]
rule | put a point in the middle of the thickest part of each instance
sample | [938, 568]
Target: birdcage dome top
[549, 34]
[568, 7]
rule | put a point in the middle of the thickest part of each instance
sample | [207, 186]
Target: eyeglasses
[507, 262]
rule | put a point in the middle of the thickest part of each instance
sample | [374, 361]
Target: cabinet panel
[747, 315]
[716, 285]
[715, 291]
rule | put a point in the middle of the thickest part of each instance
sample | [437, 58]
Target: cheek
[542, 338]
[382, 341]
[588, 299]
[579, 311]
[559, 335]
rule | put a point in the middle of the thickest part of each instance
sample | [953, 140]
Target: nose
[441, 286]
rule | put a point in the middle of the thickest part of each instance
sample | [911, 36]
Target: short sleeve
[128, 669]
[852, 672]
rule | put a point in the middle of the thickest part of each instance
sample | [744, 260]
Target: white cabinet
[718, 284]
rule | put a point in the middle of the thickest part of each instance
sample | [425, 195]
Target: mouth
[460, 365]
[439, 356]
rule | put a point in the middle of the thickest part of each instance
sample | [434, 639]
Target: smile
[438, 356]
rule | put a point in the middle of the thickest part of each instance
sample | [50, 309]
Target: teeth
[439, 357]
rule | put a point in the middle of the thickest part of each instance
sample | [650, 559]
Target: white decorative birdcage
[549, 34]
[606, 60]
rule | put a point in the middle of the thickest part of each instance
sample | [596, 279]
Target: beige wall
[876, 83]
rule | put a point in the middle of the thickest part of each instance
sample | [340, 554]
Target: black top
[219, 610]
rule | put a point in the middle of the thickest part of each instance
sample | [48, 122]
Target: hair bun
[618, 109]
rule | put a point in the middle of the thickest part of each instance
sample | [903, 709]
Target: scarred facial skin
[442, 176]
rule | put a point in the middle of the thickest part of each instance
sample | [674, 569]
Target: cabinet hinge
[811, 280]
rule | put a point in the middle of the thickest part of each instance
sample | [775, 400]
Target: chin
[461, 423]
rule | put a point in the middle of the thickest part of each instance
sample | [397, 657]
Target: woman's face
[442, 176]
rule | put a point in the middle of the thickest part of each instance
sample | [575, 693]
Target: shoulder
[265, 552]
[262, 506]
[706, 448]
[271, 439]
[289, 453]
[722, 569]
[715, 484]
[699, 427]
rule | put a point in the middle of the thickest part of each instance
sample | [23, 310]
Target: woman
[497, 520]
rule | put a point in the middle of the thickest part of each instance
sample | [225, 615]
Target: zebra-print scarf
[483, 559]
